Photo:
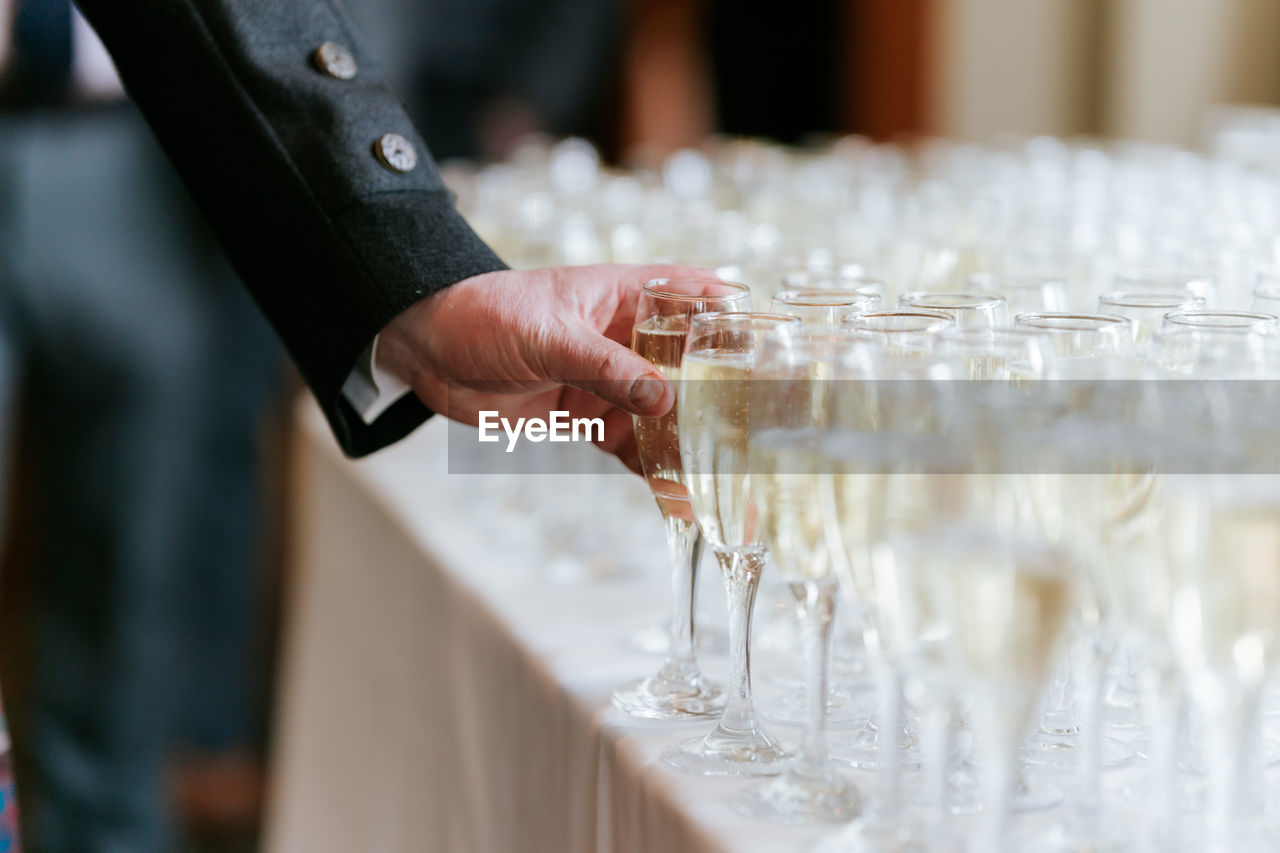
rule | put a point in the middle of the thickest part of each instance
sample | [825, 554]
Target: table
[439, 694]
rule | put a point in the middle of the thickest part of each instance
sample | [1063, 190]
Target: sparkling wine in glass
[791, 413]
[678, 690]
[714, 410]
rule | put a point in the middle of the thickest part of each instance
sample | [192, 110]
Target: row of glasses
[1073, 346]
[1072, 355]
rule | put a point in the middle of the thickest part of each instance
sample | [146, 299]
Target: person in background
[146, 372]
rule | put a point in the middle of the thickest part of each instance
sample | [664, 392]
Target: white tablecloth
[441, 693]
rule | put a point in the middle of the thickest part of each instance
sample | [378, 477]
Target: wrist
[400, 346]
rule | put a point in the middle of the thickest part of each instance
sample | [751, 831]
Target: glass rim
[1071, 321]
[852, 320]
[1209, 319]
[767, 319]
[651, 287]
[809, 297]
[1149, 298]
[966, 299]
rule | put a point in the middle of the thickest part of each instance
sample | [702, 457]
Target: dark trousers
[145, 367]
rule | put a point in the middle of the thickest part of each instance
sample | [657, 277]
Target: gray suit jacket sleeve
[331, 243]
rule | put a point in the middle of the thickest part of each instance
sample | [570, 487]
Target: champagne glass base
[1030, 794]
[1061, 753]
[724, 753]
[660, 697]
[861, 749]
[798, 798]
[1191, 754]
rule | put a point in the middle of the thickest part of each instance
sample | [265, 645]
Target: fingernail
[647, 392]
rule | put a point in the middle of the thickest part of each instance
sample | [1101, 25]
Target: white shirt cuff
[371, 389]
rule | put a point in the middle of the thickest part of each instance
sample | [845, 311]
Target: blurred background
[144, 404]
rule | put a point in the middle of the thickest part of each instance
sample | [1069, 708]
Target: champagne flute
[714, 407]
[893, 435]
[998, 608]
[1079, 343]
[1224, 620]
[986, 310]
[987, 354]
[1147, 309]
[823, 307]
[902, 331]
[789, 416]
[678, 690]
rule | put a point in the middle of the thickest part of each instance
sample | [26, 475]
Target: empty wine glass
[678, 690]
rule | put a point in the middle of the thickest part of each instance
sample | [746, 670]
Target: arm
[339, 245]
[332, 243]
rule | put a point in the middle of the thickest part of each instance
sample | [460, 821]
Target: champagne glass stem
[1236, 775]
[936, 714]
[1168, 707]
[741, 568]
[888, 743]
[997, 796]
[1059, 715]
[817, 612]
[684, 544]
[1091, 665]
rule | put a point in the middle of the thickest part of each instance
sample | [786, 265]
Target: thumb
[584, 358]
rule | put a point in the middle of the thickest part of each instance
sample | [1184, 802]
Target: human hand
[525, 343]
